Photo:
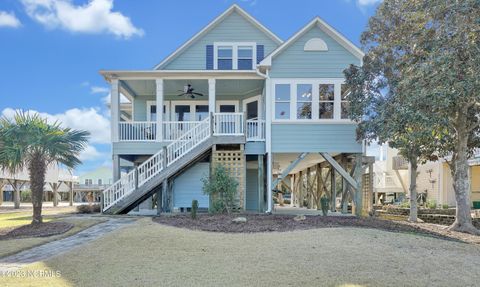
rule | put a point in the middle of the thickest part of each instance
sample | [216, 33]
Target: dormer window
[234, 56]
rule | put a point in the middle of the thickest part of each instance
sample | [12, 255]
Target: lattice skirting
[234, 163]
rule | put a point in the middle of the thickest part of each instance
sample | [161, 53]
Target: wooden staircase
[140, 183]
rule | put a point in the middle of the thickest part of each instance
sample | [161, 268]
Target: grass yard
[150, 254]
[16, 219]
[13, 219]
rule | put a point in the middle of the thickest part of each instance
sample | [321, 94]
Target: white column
[115, 109]
[159, 110]
[211, 95]
[268, 140]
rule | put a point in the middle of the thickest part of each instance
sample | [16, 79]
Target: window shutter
[209, 57]
[260, 53]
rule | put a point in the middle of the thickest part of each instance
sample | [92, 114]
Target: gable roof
[329, 30]
[214, 23]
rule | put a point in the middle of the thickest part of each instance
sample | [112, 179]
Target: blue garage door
[188, 186]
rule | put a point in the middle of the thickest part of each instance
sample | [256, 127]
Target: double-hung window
[282, 101]
[245, 57]
[225, 57]
[234, 56]
[326, 101]
[304, 101]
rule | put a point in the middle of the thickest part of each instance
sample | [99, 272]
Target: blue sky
[51, 50]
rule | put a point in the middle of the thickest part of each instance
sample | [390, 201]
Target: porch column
[115, 109]
[211, 95]
[116, 168]
[159, 137]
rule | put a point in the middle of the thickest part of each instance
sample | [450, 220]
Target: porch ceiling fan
[188, 91]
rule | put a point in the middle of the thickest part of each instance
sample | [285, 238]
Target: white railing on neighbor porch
[137, 131]
[255, 130]
[228, 124]
[172, 130]
[156, 163]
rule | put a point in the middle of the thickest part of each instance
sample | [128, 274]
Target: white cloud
[99, 90]
[368, 2]
[9, 20]
[90, 153]
[123, 100]
[95, 17]
[88, 119]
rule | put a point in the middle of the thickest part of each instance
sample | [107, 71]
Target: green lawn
[148, 254]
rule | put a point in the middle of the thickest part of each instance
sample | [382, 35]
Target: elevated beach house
[273, 112]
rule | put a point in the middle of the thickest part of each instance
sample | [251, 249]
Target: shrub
[405, 204]
[324, 203]
[88, 208]
[221, 188]
[26, 195]
[193, 211]
[445, 206]
[432, 204]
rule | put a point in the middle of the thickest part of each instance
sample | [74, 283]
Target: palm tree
[29, 141]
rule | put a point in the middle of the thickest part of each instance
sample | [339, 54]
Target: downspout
[269, 154]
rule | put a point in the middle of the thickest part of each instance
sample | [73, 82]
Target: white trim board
[347, 44]
[212, 24]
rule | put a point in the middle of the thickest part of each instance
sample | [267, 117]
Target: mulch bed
[281, 223]
[36, 230]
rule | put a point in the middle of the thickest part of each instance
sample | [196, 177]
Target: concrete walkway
[42, 252]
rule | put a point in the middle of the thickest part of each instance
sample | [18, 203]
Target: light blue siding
[315, 138]
[188, 187]
[255, 148]
[294, 62]
[233, 28]
[140, 107]
[252, 190]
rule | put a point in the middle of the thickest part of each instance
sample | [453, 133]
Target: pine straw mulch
[35, 230]
[282, 223]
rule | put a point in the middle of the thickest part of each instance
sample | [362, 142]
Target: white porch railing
[137, 131]
[255, 130]
[174, 130]
[197, 132]
[228, 124]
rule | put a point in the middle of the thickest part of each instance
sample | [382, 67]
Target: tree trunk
[461, 180]
[16, 195]
[413, 190]
[37, 169]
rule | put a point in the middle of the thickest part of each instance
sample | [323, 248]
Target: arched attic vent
[315, 44]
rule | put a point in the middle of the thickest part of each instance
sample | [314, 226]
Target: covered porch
[234, 100]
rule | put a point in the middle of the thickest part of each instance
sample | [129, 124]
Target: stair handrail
[156, 163]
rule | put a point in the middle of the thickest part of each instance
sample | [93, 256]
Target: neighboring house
[434, 179]
[58, 185]
[234, 94]
[91, 184]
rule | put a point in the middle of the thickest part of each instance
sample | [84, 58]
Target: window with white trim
[245, 58]
[282, 101]
[304, 101]
[225, 58]
[234, 55]
[344, 103]
[326, 97]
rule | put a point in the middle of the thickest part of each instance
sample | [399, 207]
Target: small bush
[222, 189]
[193, 211]
[405, 204]
[445, 206]
[324, 203]
[88, 208]
[26, 195]
[431, 204]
